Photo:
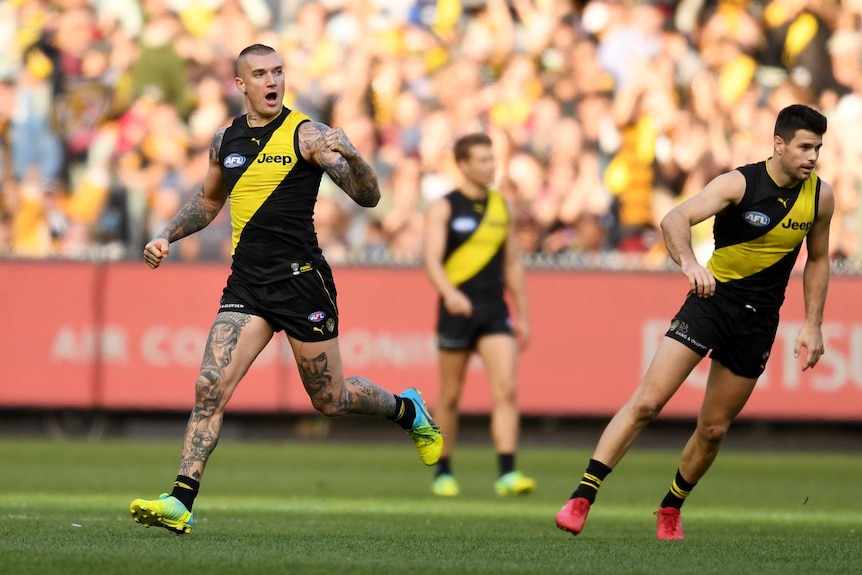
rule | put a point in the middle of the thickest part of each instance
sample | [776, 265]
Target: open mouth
[272, 97]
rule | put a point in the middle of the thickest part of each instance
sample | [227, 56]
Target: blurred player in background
[471, 257]
[763, 212]
[269, 162]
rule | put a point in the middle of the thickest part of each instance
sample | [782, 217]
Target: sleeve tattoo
[198, 212]
[355, 176]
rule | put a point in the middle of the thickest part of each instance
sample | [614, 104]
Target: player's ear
[778, 144]
[240, 84]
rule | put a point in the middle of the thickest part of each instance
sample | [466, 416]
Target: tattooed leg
[234, 342]
[204, 426]
[366, 398]
[331, 393]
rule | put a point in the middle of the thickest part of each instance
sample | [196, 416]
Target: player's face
[801, 153]
[479, 168]
[261, 79]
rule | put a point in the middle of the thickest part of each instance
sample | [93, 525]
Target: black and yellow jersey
[758, 240]
[272, 195]
[475, 244]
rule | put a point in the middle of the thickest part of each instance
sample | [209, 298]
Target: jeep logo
[268, 159]
[791, 225]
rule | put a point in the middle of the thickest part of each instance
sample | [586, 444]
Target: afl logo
[464, 224]
[234, 161]
[758, 219]
[316, 316]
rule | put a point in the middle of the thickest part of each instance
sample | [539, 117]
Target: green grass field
[344, 508]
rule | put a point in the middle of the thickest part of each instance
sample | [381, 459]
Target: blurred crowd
[604, 113]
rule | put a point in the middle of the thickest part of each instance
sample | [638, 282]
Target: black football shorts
[739, 335]
[303, 306]
[458, 332]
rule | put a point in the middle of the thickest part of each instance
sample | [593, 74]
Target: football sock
[679, 490]
[186, 489]
[405, 413]
[506, 462]
[443, 467]
[591, 481]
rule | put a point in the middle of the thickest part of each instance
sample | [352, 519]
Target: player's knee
[645, 409]
[448, 399]
[328, 407]
[713, 433]
[505, 393]
[209, 394]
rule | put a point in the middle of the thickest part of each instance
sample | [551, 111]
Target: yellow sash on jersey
[261, 178]
[745, 259]
[475, 253]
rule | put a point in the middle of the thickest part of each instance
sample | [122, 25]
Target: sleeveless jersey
[758, 240]
[272, 195]
[475, 244]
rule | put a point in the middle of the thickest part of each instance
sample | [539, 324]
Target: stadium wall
[121, 336]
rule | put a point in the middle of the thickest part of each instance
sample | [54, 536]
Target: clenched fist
[155, 251]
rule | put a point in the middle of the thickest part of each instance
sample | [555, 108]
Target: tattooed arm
[197, 213]
[331, 150]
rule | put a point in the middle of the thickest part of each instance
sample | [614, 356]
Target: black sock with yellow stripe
[592, 480]
[679, 490]
[186, 489]
[405, 413]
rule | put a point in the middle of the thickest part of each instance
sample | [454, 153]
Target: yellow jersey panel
[758, 240]
[273, 191]
[476, 238]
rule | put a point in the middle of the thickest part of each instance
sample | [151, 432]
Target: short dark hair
[256, 49]
[799, 117]
[465, 143]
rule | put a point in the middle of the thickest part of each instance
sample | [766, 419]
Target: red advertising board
[48, 351]
[122, 336]
[159, 321]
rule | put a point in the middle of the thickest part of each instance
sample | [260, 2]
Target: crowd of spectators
[604, 113]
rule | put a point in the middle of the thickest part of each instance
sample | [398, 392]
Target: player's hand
[700, 280]
[337, 141]
[457, 303]
[522, 333]
[811, 338]
[156, 251]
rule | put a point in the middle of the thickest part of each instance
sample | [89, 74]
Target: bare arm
[6, 149]
[332, 151]
[815, 280]
[517, 285]
[434, 246]
[197, 213]
[203, 207]
[503, 28]
[726, 189]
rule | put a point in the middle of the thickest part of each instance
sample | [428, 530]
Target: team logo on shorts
[234, 161]
[317, 316]
[330, 325]
[758, 219]
[679, 327]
